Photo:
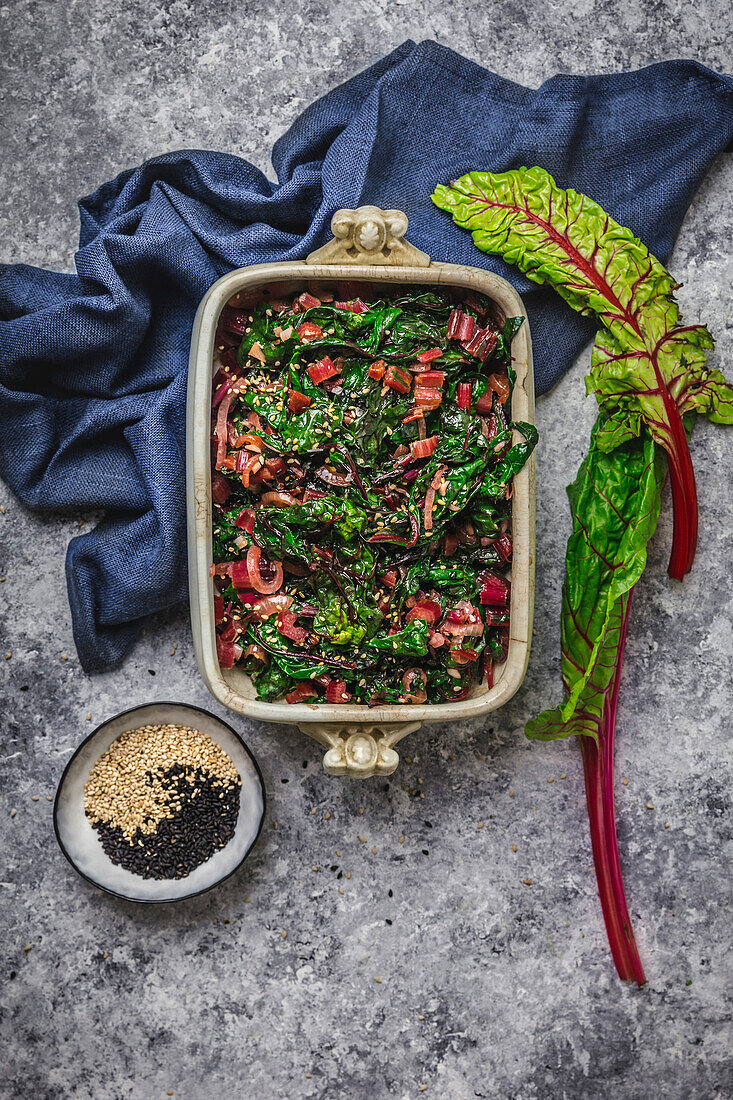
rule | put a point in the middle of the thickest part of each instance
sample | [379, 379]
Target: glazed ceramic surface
[368, 246]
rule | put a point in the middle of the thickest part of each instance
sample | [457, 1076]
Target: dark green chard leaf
[226, 533]
[276, 352]
[411, 641]
[452, 577]
[272, 682]
[512, 325]
[496, 481]
[298, 665]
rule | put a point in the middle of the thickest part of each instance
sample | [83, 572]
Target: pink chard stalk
[648, 373]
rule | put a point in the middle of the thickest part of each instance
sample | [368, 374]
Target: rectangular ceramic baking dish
[368, 246]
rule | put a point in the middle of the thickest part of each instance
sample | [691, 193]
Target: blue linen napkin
[93, 364]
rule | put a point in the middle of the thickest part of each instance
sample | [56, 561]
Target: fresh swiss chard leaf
[646, 366]
[614, 503]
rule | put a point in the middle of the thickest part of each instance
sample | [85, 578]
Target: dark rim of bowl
[194, 893]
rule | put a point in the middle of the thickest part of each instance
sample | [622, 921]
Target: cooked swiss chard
[363, 455]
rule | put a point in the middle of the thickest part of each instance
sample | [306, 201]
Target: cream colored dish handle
[359, 750]
[369, 236]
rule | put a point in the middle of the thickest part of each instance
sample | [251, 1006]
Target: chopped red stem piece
[423, 448]
[398, 379]
[463, 396]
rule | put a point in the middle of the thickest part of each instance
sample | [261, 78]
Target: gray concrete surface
[489, 987]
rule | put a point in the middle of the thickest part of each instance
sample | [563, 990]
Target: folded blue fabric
[93, 364]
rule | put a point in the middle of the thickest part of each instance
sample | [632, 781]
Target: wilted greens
[363, 458]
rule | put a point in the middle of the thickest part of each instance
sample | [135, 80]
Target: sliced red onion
[279, 500]
[255, 651]
[222, 429]
[271, 605]
[412, 694]
[463, 656]
[254, 557]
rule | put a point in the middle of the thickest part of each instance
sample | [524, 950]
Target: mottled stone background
[489, 987]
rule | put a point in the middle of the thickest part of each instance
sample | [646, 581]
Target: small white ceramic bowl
[81, 845]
